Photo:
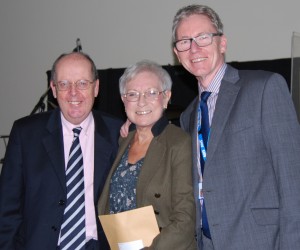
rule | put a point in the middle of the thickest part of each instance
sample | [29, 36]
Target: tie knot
[77, 131]
[204, 96]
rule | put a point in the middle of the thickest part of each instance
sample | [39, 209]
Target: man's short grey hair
[196, 10]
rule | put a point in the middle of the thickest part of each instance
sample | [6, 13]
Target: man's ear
[176, 53]
[223, 44]
[53, 88]
[97, 86]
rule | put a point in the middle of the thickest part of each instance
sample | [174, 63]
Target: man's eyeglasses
[66, 85]
[202, 40]
[150, 95]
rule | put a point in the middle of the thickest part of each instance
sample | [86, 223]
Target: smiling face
[202, 62]
[75, 104]
[144, 113]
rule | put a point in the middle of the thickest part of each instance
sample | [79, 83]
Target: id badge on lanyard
[203, 152]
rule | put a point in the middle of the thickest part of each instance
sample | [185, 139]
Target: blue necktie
[73, 228]
[204, 131]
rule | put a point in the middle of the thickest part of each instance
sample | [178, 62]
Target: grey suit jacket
[252, 172]
[32, 182]
[165, 181]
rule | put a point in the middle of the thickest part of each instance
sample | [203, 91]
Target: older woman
[153, 165]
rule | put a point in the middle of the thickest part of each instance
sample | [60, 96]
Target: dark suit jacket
[32, 184]
[252, 172]
[165, 182]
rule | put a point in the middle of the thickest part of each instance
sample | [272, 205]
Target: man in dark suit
[33, 188]
[247, 194]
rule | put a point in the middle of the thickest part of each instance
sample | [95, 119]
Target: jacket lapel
[124, 142]
[103, 155]
[53, 144]
[193, 125]
[155, 154]
[227, 96]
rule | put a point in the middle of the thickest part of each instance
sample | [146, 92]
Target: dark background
[184, 87]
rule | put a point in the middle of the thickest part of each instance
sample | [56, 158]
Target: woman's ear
[167, 96]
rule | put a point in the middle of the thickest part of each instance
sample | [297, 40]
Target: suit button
[61, 202]
[54, 228]
[156, 212]
[157, 195]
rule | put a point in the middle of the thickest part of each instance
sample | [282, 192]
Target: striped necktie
[204, 131]
[73, 228]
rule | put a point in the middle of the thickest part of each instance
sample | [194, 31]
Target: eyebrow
[189, 37]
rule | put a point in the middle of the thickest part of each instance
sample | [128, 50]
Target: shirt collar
[215, 84]
[68, 126]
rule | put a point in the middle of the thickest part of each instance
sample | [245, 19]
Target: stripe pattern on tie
[72, 234]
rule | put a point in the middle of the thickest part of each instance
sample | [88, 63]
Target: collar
[157, 128]
[84, 124]
[215, 84]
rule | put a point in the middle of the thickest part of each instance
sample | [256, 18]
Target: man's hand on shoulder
[124, 129]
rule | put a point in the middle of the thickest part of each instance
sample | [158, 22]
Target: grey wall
[118, 33]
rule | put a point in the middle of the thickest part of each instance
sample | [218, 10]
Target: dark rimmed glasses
[202, 40]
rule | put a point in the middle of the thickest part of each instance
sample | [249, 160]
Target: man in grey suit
[251, 183]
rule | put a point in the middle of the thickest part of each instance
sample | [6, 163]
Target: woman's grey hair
[84, 55]
[196, 10]
[145, 66]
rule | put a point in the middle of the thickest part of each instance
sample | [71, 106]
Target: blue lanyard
[202, 148]
[200, 138]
